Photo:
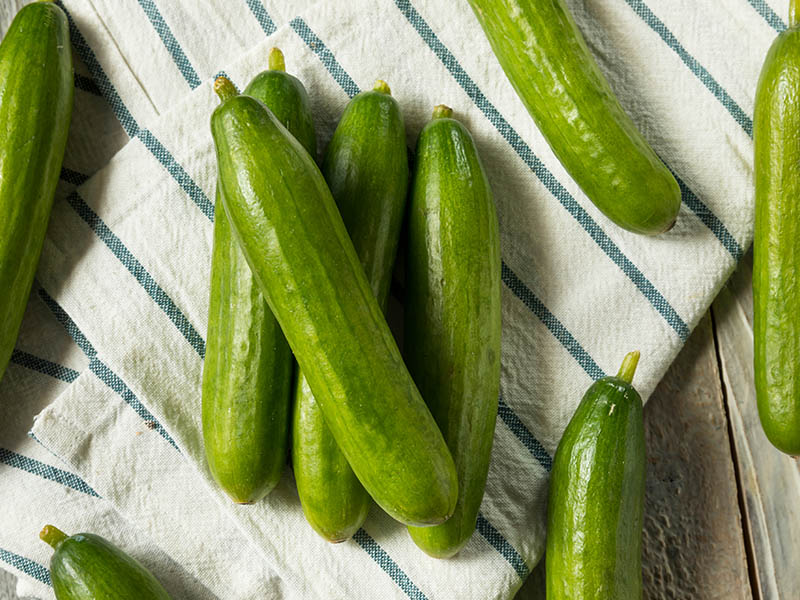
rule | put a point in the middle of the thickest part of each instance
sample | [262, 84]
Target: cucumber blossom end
[628, 368]
[50, 534]
[382, 87]
[224, 88]
[442, 111]
[276, 60]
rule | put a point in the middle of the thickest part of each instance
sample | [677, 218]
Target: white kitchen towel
[128, 255]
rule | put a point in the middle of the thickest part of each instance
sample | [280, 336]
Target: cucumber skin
[776, 250]
[453, 314]
[87, 567]
[247, 372]
[547, 61]
[297, 246]
[36, 89]
[596, 498]
[366, 168]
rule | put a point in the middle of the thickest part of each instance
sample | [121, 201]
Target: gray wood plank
[693, 541]
[770, 480]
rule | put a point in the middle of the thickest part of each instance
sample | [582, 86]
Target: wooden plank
[769, 480]
[693, 542]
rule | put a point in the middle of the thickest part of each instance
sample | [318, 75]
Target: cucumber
[297, 246]
[85, 566]
[452, 313]
[776, 253]
[366, 167]
[546, 59]
[36, 90]
[596, 499]
[247, 373]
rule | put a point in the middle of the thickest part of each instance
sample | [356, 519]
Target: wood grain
[693, 541]
[770, 480]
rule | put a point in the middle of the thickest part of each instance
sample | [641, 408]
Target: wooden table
[722, 507]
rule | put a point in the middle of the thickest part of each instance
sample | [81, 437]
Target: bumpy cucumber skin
[36, 89]
[776, 245]
[547, 61]
[366, 167]
[297, 246]
[452, 314]
[87, 567]
[596, 499]
[247, 373]
[288, 100]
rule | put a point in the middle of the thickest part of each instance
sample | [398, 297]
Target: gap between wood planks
[752, 570]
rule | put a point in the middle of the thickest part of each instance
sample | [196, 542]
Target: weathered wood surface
[768, 479]
[693, 541]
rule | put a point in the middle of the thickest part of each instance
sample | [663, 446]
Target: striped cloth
[125, 268]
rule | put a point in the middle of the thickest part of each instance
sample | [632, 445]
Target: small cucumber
[248, 365]
[366, 167]
[452, 313]
[297, 245]
[776, 252]
[540, 48]
[87, 567]
[36, 91]
[596, 501]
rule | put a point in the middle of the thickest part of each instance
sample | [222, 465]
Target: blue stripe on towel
[385, 562]
[42, 365]
[170, 43]
[45, 471]
[102, 371]
[657, 25]
[26, 565]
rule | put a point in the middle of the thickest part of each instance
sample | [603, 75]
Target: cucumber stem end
[442, 111]
[52, 535]
[224, 88]
[382, 87]
[276, 60]
[628, 367]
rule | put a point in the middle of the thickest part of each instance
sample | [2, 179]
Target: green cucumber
[36, 89]
[248, 364]
[366, 167]
[596, 500]
[546, 59]
[85, 566]
[452, 313]
[297, 245]
[776, 252]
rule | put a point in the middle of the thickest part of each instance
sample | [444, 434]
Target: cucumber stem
[276, 60]
[224, 88]
[628, 367]
[442, 111]
[382, 87]
[794, 12]
[52, 535]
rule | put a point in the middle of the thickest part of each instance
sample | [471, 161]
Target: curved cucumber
[546, 59]
[452, 313]
[366, 167]
[36, 90]
[776, 253]
[87, 567]
[297, 245]
[248, 365]
[596, 499]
